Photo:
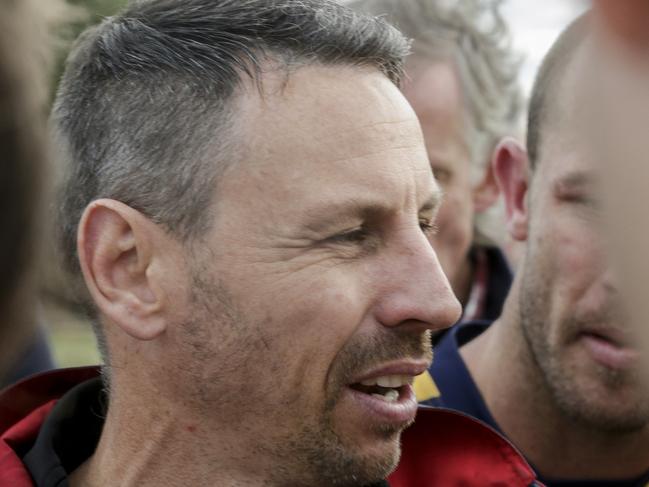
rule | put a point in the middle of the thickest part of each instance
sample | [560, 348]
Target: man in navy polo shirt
[558, 373]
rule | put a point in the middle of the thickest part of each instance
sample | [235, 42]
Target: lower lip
[608, 353]
[400, 412]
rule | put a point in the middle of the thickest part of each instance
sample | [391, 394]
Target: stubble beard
[563, 382]
[312, 452]
[334, 463]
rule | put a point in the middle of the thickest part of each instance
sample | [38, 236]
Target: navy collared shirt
[453, 387]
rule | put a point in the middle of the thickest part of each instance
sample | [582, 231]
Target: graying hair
[473, 36]
[145, 107]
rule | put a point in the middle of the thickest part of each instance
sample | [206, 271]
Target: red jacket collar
[442, 448]
[23, 408]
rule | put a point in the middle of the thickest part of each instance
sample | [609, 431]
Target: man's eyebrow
[326, 216]
[576, 179]
[433, 202]
[341, 211]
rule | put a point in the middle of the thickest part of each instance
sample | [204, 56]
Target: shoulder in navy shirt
[453, 387]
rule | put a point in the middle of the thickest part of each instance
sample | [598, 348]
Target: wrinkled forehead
[341, 125]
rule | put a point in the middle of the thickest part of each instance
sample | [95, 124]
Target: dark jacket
[443, 448]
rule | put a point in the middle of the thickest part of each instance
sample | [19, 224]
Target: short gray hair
[145, 108]
[473, 36]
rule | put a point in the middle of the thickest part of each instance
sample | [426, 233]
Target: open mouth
[385, 396]
[388, 388]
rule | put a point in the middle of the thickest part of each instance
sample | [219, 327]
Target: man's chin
[602, 398]
[376, 454]
[351, 465]
[368, 433]
[373, 464]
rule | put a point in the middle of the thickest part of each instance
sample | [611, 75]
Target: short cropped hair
[145, 107]
[146, 92]
[546, 92]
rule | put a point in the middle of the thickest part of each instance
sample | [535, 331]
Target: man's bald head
[550, 92]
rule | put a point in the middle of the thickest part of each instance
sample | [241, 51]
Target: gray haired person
[461, 80]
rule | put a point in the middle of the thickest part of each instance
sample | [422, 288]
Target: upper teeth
[389, 381]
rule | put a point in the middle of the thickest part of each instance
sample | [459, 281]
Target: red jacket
[442, 448]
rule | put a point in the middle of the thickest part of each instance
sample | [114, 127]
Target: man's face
[569, 304]
[435, 95]
[317, 281]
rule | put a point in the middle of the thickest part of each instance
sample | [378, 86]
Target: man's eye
[582, 200]
[357, 235]
[441, 175]
[428, 227]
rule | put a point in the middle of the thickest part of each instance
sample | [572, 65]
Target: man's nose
[416, 290]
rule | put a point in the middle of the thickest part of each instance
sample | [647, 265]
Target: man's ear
[116, 246]
[510, 168]
[485, 194]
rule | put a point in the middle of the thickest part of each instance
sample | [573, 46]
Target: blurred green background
[90, 12]
[71, 336]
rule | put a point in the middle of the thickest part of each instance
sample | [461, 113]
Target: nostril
[456, 314]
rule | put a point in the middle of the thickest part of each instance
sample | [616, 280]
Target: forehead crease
[318, 107]
[339, 136]
[348, 140]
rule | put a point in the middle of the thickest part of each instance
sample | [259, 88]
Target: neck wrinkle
[153, 443]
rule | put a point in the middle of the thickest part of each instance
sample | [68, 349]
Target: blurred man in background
[25, 55]
[461, 80]
[617, 124]
[559, 373]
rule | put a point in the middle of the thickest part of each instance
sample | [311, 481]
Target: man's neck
[520, 402]
[165, 447]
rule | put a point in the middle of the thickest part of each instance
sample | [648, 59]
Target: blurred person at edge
[24, 58]
[249, 214]
[560, 373]
[617, 121]
[461, 80]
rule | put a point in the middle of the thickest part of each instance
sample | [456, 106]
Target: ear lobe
[116, 249]
[510, 169]
[486, 193]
